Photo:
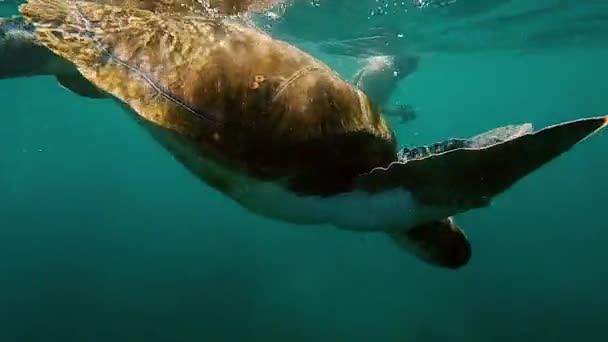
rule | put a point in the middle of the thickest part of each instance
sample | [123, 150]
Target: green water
[105, 237]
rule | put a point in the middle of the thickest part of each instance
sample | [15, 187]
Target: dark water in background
[105, 237]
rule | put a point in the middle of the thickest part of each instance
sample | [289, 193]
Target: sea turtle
[379, 77]
[280, 133]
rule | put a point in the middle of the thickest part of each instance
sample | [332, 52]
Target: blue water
[105, 237]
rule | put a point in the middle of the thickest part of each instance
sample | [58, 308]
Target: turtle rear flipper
[21, 55]
[465, 174]
[79, 85]
[440, 243]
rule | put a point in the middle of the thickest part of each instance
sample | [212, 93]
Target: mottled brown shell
[243, 98]
[221, 7]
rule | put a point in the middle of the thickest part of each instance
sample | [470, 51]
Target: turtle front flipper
[463, 174]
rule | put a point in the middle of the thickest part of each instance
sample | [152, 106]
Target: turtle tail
[20, 53]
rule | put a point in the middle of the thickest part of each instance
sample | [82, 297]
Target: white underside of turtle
[394, 209]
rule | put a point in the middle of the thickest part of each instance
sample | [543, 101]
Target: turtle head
[440, 243]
